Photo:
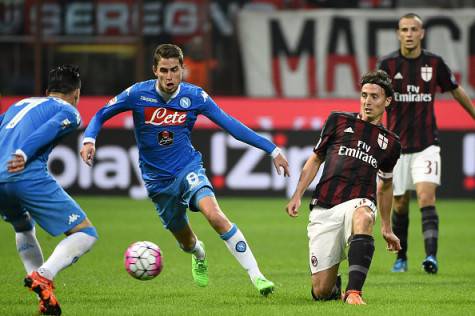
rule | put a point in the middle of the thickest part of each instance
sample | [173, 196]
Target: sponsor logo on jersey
[413, 95]
[426, 73]
[348, 130]
[164, 116]
[382, 141]
[185, 102]
[165, 138]
[361, 153]
[148, 99]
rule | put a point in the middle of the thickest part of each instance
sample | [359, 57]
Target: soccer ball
[143, 260]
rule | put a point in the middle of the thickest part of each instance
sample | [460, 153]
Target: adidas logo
[348, 130]
[398, 76]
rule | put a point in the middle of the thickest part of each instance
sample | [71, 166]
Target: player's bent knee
[22, 223]
[322, 293]
[90, 230]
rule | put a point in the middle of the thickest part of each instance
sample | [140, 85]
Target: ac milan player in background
[355, 148]
[416, 74]
[165, 110]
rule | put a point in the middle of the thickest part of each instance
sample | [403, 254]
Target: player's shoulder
[194, 92]
[391, 56]
[430, 54]
[341, 114]
[146, 85]
[388, 133]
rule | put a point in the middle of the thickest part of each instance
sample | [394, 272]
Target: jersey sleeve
[325, 136]
[231, 125]
[120, 103]
[66, 120]
[382, 64]
[387, 166]
[1, 118]
[445, 78]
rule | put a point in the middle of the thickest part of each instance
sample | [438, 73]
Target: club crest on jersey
[165, 138]
[164, 116]
[426, 73]
[382, 141]
[185, 102]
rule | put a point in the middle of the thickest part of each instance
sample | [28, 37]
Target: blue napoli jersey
[34, 126]
[163, 129]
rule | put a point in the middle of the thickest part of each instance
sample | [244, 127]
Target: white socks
[66, 253]
[29, 250]
[198, 250]
[238, 246]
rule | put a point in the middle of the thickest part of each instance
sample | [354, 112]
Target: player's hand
[16, 164]
[392, 241]
[293, 207]
[87, 152]
[281, 162]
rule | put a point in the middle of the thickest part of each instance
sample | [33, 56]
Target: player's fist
[87, 152]
[293, 207]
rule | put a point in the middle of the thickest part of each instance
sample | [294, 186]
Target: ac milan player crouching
[416, 75]
[355, 148]
[165, 110]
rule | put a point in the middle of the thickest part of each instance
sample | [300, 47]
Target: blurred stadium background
[280, 66]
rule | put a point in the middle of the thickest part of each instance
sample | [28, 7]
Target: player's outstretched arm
[87, 152]
[385, 199]
[463, 99]
[309, 171]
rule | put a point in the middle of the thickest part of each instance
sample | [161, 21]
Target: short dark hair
[381, 78]
[167, 51]
[411, 15]
[64, 79]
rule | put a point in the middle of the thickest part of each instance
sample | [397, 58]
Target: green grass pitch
[99, 285]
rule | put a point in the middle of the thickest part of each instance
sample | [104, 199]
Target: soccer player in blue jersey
[164, 111]
[28, 193]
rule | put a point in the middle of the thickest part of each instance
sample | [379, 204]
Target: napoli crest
[426, 73]
[185, 102]
[241, 246]
[382, 141]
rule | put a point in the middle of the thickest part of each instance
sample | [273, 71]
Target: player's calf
[334, 295]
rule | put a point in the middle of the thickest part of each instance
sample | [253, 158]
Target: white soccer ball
[143, 260]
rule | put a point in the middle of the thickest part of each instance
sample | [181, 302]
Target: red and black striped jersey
[415, 82]
[353, 150]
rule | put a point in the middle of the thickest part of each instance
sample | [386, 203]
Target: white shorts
[329, 231]
[417, 167]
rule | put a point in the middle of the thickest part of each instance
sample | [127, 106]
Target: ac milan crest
[382, 141]
[426, 73]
